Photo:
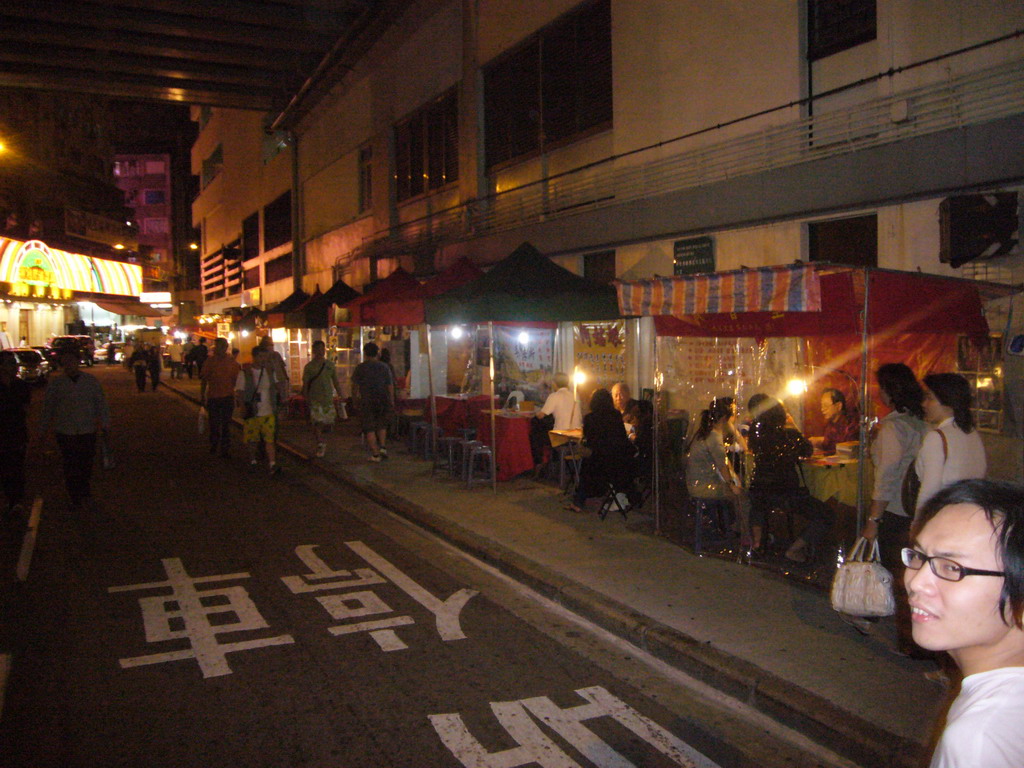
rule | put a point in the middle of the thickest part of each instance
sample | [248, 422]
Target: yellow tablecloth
[830, 479]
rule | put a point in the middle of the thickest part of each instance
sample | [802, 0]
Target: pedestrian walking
[372, 390]
[217, 395]
[15, 396]
[174, 350]
[76, 410]
[256, 393]
[154, 362]
[126, 354]
[140, 364]
[199, 353]
[319, 385]
[187, 357]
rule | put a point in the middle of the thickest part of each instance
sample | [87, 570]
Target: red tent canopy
[394, 285]
[406, 308]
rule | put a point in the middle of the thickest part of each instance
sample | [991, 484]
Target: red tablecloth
[513, 452]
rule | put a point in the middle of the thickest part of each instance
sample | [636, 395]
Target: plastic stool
[468, 433]
[465, 448]
[480, 452]
[445, 456]
[415, 428]
[428, 444]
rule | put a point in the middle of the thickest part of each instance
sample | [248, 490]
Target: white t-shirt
[262, 378]
[560, 404]
[965, 459]
[984, 726]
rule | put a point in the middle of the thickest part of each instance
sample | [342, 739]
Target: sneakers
[376, 458]
[321, 449]
[383, 453]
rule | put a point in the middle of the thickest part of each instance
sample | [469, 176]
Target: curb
[814, 716]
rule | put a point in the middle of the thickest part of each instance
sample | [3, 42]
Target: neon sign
[35, 265]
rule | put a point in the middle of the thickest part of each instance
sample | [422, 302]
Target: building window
[365, 178]
[277, 222]
[845, 241]
[599, 266]
[835, 25]
[251, 236]
[279, 268]
[554, 87]
[427, 148]
[212, 166]
[156, 167]
[159, 226]
[251, 278]
[154, 197]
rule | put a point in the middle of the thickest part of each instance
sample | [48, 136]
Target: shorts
[257, 427]
[374, 415]
[322, 413]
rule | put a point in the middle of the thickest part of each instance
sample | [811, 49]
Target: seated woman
[777, 446]
[612, 456]
[709, 476]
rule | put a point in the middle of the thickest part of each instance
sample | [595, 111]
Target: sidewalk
[775, 644]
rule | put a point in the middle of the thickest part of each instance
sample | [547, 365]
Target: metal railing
[970, 99]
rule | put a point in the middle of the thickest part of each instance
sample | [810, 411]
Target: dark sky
[151, 127]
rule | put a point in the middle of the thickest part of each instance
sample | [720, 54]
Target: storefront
[41, 289]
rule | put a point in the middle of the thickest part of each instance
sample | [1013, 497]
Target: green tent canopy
[525, 286]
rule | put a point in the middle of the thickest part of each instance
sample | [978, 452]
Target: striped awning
[790, 288]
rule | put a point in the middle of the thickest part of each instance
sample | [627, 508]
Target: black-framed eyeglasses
[943, 567]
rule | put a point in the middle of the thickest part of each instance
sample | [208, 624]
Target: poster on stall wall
[599, 351]
[523, 360]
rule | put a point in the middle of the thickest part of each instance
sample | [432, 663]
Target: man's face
[620, 396]
[961, 617]
[69, 363]
[829, 409]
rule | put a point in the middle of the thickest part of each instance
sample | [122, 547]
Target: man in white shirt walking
[965, 585]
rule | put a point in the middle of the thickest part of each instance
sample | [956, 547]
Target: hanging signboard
[693, 256]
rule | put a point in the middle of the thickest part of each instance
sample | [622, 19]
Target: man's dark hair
[902, 388]
[836, 395]
[319, 343]
[1003, 504]
[370, 349]
[953, 391]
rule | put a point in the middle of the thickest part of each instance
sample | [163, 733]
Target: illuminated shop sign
[35, 270]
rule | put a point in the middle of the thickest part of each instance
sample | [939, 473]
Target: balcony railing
[971, 99]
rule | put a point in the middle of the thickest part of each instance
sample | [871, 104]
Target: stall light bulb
[796, 387]
[457, 332]
[524, 337]
[245, 334]
[579, 377]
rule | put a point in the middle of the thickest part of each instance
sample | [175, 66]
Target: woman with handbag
[953, 449]
[710, 478]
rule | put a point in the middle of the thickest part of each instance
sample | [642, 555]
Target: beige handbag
[861, 586]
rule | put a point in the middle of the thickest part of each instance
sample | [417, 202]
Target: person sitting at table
[641, 418]
[624, 402]
[612, 457]
[560, 411]
[777, 447]
[840, 426]
[710, 478]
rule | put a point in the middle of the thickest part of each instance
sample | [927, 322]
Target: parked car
[49, 355]
[60, 343]
[32, 366]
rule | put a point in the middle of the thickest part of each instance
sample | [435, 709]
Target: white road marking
[28, 544]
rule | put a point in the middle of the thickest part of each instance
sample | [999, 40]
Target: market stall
[526, 290]
[812, 325]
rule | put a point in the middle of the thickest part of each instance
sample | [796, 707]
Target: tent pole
[430, 392]
[864, 340]
[655, 450]
[494, 434]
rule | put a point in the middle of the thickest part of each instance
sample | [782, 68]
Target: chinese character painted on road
[523, 720]
[362, 603]
[187, 613]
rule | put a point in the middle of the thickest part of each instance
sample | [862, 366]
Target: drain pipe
[298, 246]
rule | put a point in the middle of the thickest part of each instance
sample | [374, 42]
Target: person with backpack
[319, 385]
